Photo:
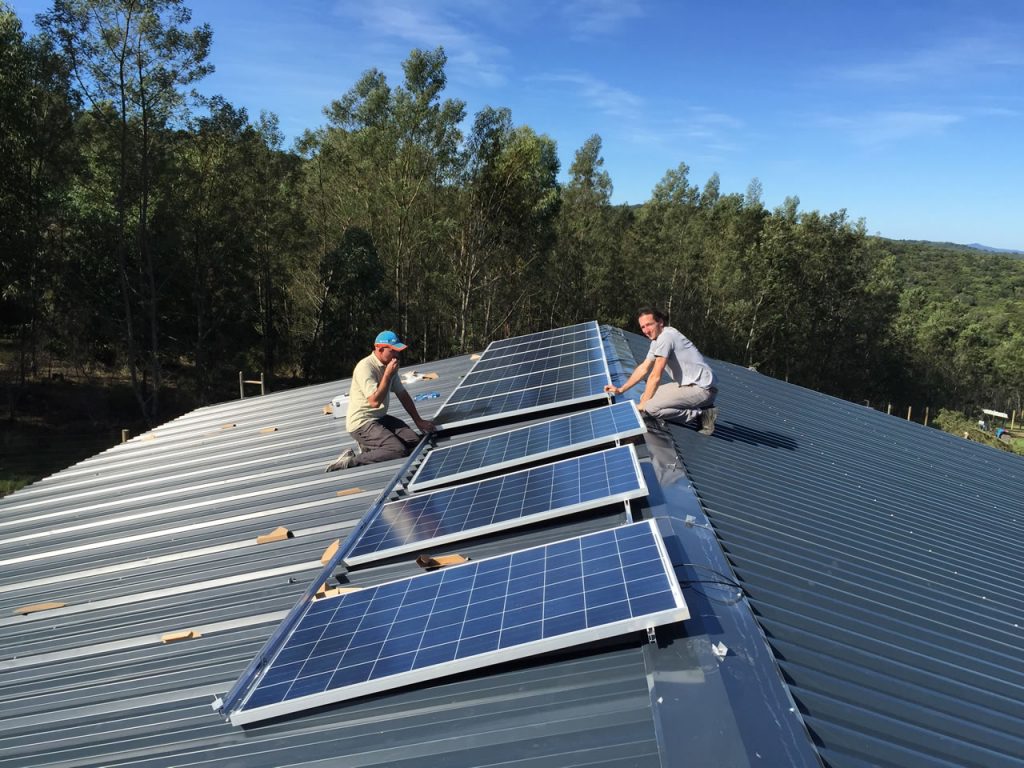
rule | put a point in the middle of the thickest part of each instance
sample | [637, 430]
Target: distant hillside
[945, 246]
[980, 247]
[967, 274]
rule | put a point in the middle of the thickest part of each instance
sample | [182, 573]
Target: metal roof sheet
[883, 561]
[159, 534]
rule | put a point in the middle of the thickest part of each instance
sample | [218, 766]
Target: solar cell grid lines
[525, 374]
[528, 362]
[542, 378]
[541, 339]
[524, 401]
[498, 503]
[484, 455]
[457, 619]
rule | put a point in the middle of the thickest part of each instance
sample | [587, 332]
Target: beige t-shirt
[365, 380]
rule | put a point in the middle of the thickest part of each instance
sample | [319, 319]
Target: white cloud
[699, 132]
[591, 18]
[951, 63]
[472, 56]
[880, 128]
[603, 97]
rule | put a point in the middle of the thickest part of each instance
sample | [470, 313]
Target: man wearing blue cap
[380, 436]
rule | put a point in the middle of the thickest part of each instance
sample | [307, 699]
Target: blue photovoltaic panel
[526, 444]
[470, 616]
[523, 401]
[541, 339]
[497, 503]
[530, 373]
[528, 362]
[575, 340]
[516, 383]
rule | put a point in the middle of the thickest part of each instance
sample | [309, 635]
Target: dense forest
[170, 238]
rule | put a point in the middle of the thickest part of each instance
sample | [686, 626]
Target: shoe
[344, 461]
[707, 420]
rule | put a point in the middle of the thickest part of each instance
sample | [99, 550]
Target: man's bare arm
[654, 380]
[407, 402]
[637, 375]
[376, 397]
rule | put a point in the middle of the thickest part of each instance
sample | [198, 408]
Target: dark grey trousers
[383, 439]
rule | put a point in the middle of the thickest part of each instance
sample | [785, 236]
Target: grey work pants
[680, 403]
[383, 439]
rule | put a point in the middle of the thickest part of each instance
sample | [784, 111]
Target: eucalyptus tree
[728, 228]
[131, 61]
[384, 161]
[37, 155]
[505, 204]
[225, 233]
[836, 314]
[765, 304]
[585, 268]
[670, 261]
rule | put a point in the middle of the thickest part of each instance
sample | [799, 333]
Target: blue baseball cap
[389, 339]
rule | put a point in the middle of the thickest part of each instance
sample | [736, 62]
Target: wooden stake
[335, 591]
[185, 634]
[330, 552]
[278, 534]
[908, 412]
[926, 415]
[430, 563]
[888, 410]
[25, 610]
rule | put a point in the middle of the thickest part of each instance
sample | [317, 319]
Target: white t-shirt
[683, 361]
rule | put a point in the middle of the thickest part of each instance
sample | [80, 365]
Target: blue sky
[908, 114]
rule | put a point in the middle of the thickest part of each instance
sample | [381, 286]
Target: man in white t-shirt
[690, 395]
[380, 437]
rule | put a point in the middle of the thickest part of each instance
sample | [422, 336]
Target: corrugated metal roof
[159, 535]
[884, 562]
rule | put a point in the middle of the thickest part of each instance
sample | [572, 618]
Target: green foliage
[180, 242]
[36, 153]
[130, 61]
[960, 425]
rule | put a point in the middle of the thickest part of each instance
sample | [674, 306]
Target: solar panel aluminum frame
[647, 622]
[463, 534]
[415, 486]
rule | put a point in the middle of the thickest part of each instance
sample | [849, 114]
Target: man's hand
[391, 368]
[426, 425]
[611, 389]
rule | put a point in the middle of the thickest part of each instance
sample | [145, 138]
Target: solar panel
[530, 373]
[509, 607]
[515, 383]
[497, 503]
[526, 444]
[553, 337]
[524, 401]
[528, 362]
